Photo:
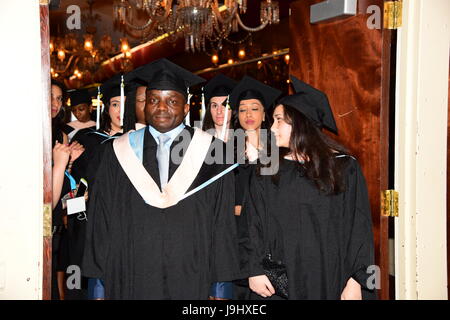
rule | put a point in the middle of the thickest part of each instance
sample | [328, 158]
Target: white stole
[181, 180]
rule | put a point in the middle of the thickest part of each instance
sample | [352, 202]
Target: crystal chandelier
[74, 59]
[198, 21]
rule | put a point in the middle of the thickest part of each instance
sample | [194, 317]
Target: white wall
[21, 145]
[421, 150]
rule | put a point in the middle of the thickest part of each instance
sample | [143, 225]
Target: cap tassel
[225, 119]
[97, 124]
[188, 116]
[122, 101]
[203, 110]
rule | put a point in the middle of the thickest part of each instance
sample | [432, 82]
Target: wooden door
[351, 63]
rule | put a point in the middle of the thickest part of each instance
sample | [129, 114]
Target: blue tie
[162, 155]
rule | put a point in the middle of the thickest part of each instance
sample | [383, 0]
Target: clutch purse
[277, 274]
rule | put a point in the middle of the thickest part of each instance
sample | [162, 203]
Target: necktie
[162, 155]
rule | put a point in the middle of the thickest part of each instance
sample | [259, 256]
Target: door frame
[47, 149]
[421, 150]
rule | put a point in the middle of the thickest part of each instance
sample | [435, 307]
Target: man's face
[165, 109]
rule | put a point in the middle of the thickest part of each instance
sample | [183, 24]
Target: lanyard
[73, 183]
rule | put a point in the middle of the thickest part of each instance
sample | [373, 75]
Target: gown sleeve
[97, 241]
[360, 246]
[252, 243]
[224, 254]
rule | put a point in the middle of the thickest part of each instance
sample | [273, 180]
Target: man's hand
[261, 285]
[352, 290]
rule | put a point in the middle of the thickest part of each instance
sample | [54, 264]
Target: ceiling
[101, 21]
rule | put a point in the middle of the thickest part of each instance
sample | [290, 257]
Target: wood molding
[47, 147]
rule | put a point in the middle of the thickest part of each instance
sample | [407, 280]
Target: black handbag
[277, 274]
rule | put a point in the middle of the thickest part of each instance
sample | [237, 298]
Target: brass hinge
[47, 220]
[393, 14]
[389, 203]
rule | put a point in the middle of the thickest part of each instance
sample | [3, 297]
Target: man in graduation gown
[161, 222]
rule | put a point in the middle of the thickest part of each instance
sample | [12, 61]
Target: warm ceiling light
[128, 54]
[88, 45]
[230, 61]
[259, 62]
[61, 55]
[241, 54]
[124, 46]
[51, 47]
[215, 58]
[286, 58]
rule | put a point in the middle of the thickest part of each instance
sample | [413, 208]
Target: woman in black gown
[63, 157]
[86, 167]
[251, 99]
[313, 215]
[218, 122]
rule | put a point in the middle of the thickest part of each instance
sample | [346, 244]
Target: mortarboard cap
[165, 75]
[79, 96]
[313, 103]
[219, 86]
[111, 87]
[249, 88]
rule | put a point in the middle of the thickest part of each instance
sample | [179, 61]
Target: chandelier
[73, 57]
[198, 21]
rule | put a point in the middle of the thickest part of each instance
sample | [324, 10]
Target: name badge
[76, 205]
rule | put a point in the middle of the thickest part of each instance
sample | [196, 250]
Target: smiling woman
[313, 215]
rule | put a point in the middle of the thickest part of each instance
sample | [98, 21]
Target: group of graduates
[180, 212]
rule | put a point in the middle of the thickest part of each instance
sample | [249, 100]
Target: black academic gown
[242, 182]
[144, 252]
[323, 240]
[84, 167]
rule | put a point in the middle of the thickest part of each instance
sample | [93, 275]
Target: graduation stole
[128, 150]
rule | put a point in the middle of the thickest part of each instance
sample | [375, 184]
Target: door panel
[351, 63]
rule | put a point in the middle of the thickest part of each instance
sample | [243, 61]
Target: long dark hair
[208, 122]
[320, 164]
[129, 117]
[58, 120]
[105, 119]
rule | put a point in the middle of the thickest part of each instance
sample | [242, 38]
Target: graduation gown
[84, 167]
[242, 176]
[323, 239]
[144, 252]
